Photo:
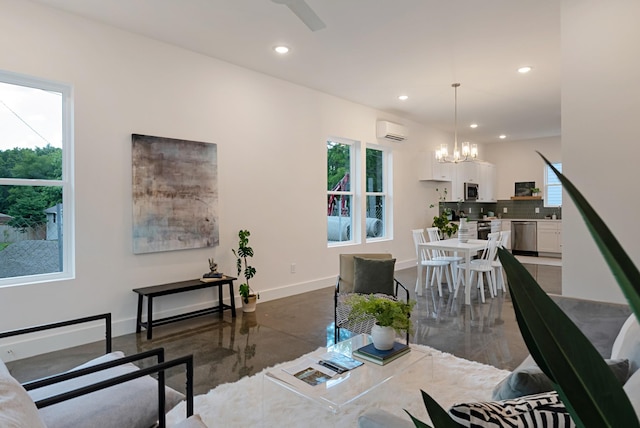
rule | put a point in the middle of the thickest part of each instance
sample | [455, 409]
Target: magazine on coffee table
[328, 368]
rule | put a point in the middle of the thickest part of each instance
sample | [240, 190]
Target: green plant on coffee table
[387, 312]
[587, 387]
[243, 253]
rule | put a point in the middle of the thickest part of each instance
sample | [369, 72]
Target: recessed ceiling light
[473, 125]
[403, 97]
[525, 69]
[502, 137]
[281, 49]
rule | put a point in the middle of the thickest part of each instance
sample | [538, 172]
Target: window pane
[338, 166]
[339, 221]
[30, 230]
[375, 216]
[30, 118]
[375, 176]
[553, 196]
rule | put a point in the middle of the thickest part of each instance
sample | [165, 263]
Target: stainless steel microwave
[470, 192]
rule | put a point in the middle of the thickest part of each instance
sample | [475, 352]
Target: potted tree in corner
[243, 253]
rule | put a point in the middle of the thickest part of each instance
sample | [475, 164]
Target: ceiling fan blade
[304, 12]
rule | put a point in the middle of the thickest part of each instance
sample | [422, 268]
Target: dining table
[466, 249]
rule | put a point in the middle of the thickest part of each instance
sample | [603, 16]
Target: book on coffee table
[370, 353]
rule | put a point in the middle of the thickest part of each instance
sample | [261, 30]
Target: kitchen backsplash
[515, 209]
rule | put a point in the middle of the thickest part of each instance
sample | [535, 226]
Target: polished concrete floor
[226, 349]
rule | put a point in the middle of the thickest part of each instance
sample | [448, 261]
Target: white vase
[383, 337]
[463, 231]
[251, 305]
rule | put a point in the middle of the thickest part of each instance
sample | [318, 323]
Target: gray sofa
[624, 353]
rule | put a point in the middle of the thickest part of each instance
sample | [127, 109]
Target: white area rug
[447, 378]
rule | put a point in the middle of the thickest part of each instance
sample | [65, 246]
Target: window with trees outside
[552, 186]
[347, 198]
[341, 172]
[376, 193]
[36, 195]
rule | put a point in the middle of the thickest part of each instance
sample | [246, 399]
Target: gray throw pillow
[529, 379]
[373, 275]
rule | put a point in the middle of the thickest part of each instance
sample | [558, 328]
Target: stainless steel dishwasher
[524, 239]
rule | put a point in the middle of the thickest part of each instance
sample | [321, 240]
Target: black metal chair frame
[158, 368]
[336, 335]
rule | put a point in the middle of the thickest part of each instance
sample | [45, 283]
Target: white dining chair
[481, 268]
[434, 235]
[435, 268]
[497, 265]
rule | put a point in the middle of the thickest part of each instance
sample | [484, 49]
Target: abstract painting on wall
[175, 194]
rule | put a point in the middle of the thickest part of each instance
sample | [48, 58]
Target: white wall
[518, 161]
[600, 150]
[271, 152]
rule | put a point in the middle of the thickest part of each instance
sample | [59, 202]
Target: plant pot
[383, 337]
[251, 306]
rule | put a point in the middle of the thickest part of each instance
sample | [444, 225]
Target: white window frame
[67, 182]
[551, 181]
[354, 191]
[386, 193]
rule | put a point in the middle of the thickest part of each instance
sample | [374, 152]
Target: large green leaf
[438, 415]
[621, 265]
[585, 383]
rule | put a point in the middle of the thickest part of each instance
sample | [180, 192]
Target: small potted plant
[535, 191]
[392, 316]
[243, 253]
[444, 225]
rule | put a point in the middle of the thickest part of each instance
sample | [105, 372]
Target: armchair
[109, 391]
[368, 273]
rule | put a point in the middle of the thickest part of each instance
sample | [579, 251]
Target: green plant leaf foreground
[438, 415]
[621, 265]
[588, 388]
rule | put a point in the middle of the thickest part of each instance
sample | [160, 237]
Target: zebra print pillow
[540, 410]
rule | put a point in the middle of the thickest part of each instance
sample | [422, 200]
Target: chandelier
[469, 151]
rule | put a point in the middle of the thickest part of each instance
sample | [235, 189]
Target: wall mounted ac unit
[391, 131]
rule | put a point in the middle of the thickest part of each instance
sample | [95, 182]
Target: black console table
[180, 287]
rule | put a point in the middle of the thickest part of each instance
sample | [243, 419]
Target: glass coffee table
[323, 403]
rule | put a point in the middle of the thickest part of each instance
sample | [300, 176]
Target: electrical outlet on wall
[504, 210]
[537, 210]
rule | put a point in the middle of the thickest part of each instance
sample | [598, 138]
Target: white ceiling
[371, 51]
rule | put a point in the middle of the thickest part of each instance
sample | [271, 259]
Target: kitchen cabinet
[481, 173]
[432, 170]
[487, 182]
[550, 237]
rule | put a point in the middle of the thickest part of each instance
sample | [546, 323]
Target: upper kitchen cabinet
[432, 170]
[481, 173]
[487, 185]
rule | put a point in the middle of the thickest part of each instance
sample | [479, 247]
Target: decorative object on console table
[393, 314]
[213, 272]
[244, 252]
[371, 353]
